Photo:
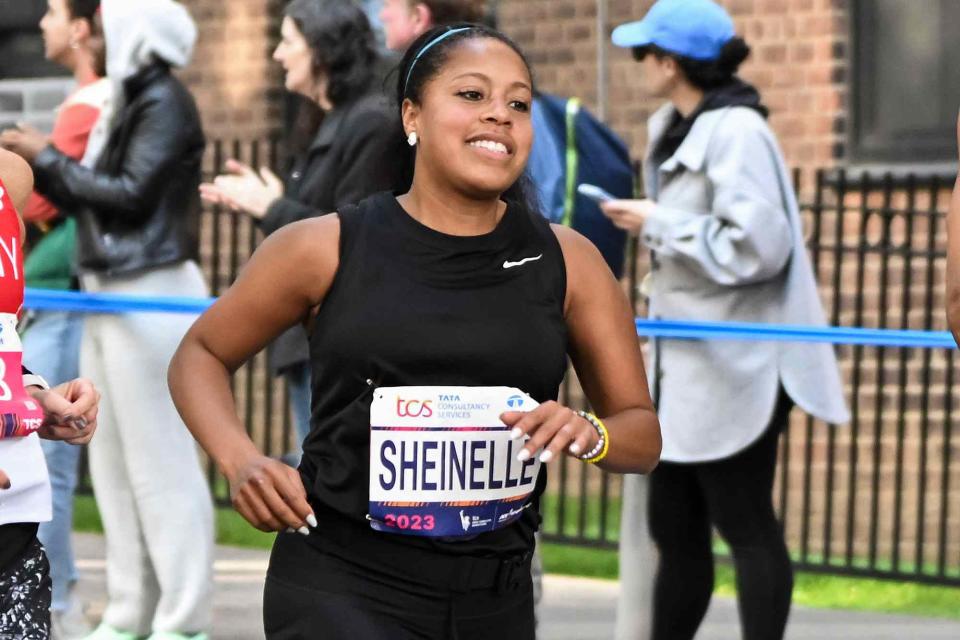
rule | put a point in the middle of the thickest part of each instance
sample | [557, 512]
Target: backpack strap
[573, 108]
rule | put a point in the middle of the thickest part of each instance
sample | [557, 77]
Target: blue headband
[440, 38]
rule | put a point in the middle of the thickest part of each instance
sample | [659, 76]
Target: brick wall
[237, 85]
[798, 63]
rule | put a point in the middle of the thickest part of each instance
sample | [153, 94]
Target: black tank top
[412, 306]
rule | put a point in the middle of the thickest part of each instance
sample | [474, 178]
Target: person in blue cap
[723, 224]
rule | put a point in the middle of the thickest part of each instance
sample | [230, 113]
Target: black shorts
[333, 594]
[25, 590]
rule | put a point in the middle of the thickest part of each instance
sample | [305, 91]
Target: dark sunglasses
[639, 53]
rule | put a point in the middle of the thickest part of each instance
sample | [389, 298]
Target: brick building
[855, 82]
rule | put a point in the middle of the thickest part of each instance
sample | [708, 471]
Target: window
[21, 45]
[906, 83]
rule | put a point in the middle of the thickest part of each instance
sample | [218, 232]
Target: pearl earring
[412, 139]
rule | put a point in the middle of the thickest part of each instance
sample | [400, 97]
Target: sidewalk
[573, 608]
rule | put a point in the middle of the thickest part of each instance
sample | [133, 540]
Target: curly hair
[342, 43]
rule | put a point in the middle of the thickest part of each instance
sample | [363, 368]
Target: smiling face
[295, 56]
[473, 120]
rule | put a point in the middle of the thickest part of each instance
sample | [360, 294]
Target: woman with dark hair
[328, 52]
[451, 306]
[725, 230]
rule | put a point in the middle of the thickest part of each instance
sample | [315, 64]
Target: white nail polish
[575, 449]
[303, 531]
[515, 433]
[312, 520]
[523, 456]
[546, 456]
[290, 530]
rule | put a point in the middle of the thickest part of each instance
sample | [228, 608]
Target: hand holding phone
[595, 193]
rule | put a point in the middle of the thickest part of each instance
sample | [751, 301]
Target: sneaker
[169, 635]
[106, 632]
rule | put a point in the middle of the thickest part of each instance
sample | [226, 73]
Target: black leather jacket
[139, 207]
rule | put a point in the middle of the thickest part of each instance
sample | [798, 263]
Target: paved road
[573, 608]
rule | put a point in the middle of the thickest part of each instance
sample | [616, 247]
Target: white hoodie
[137, 31]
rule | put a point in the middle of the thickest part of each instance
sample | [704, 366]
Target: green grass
[810, 590]
[231, 528]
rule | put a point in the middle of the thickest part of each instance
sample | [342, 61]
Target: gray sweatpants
[153, 498]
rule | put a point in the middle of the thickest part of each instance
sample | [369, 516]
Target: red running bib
[19, 413]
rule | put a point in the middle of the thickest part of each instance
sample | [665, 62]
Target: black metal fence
[877, 497]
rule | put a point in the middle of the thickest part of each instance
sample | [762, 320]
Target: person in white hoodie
[137, 212]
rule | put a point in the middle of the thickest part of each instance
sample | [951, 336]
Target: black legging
[733, 494]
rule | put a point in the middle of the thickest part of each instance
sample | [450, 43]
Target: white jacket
[729, 247]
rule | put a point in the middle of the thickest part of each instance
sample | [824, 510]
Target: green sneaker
[106, 632]
[169, 635]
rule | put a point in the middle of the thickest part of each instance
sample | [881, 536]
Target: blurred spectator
[724, 225]
[328, 53]
[52, 339]
[137, 212]
[406, 20]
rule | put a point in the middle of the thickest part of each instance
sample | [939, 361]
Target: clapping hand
[242, 189]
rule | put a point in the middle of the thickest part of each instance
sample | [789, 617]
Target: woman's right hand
[4, 480]
[270, 495]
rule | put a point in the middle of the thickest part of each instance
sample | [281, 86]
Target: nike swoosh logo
[507, 264]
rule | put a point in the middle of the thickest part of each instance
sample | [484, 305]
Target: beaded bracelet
[599, 452]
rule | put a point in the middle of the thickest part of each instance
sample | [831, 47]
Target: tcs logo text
[414, 408]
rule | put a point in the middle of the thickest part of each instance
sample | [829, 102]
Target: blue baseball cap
[695, 29]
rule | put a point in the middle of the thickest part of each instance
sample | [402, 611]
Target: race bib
[442, 463]
[19, 413]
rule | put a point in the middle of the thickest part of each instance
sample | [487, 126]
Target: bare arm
[953, 257]
[18, 180]
[286, 278]
[607, 357]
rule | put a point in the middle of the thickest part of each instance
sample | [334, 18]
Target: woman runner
[456, 282]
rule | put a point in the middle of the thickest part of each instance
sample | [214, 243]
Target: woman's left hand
[25, 141]
[553, 428]
[243, 189]
[70, 411]
[629, 215]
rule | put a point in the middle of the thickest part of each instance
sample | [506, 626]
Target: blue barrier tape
[793, 333]
[49, 300]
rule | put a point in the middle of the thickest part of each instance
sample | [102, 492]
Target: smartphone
[595, 193]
